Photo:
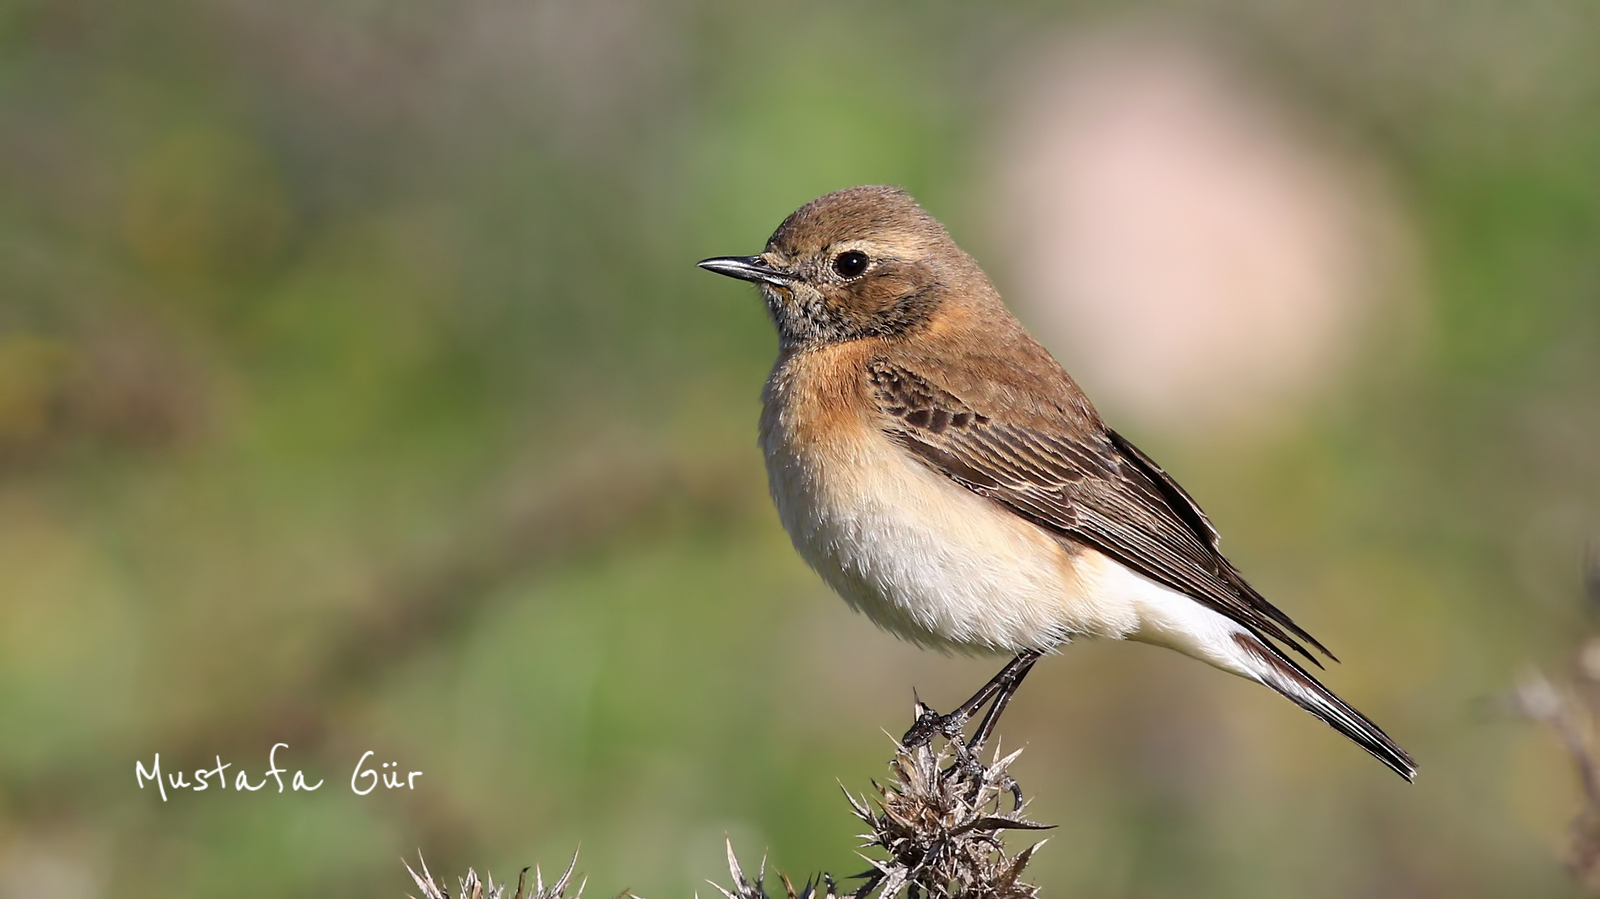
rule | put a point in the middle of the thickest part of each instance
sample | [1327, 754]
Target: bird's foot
[1010, 783]
[969, 767]
[930, 724]
[952, 728]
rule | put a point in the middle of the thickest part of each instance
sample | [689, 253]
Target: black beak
[745, 268]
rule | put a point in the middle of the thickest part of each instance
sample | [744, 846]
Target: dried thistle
[470, 887]
[1572, 712]
[743, 888]
[939, 821]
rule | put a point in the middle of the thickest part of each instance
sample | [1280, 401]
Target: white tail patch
[1169, 618]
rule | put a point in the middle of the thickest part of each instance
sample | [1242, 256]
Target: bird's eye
[850, 263]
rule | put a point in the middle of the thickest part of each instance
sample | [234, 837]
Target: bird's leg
[1002, 698]
[992, 717]
[999, 689]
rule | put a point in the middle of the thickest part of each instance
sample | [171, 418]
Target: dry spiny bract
[939, 820]
[744, 888]
[470, 887]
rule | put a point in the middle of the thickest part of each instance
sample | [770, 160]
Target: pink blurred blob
[1195, 255]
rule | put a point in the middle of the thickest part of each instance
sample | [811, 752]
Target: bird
[941, 471]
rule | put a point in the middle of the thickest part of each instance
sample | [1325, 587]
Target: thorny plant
[940, 827]
[1572, 712]
[938, 822]
[470, 887]
[744, 888]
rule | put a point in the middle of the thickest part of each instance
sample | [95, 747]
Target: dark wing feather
[1096, 488]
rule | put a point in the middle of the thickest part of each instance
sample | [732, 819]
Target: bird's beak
[745, 268]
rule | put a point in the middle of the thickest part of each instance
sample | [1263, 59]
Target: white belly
[927, 559]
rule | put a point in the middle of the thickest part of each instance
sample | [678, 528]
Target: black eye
[851, 263]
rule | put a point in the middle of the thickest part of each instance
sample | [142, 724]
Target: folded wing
[1095, 488]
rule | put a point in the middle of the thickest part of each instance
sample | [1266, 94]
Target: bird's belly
[929, 560]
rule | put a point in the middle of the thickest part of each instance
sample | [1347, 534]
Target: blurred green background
[358, 392]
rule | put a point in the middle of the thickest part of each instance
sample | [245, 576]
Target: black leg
[999, 689]
[1001, 700]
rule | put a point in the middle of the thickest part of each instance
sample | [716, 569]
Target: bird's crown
[886, 217]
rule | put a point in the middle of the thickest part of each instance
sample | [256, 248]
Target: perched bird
[943, 473]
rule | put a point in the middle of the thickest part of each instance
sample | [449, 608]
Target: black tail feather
[1283, 674]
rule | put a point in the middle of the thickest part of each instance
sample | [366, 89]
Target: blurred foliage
[358, 391]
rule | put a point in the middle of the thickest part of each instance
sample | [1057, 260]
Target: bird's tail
[1281, 673]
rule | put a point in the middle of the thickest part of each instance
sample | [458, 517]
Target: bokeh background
[358, 392]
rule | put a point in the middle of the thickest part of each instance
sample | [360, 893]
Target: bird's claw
[930, 724]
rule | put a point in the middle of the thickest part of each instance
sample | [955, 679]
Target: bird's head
[861, 262]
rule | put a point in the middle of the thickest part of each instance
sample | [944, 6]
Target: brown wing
[1097, 489]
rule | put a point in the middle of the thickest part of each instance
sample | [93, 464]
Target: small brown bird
[943, 473]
